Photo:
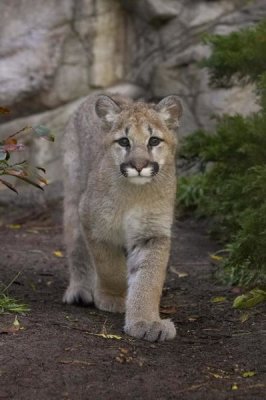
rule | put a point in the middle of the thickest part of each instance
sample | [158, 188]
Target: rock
[128, 89]
[53, 53]
[225, 101]
[154, 11]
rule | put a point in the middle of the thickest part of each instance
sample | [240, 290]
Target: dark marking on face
[150, 130]
[155, 168]
[125, 252]
[123, 169]
[126, 130]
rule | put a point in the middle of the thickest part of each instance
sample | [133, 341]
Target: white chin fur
[145, 172]
[139, 180]
[132, 172]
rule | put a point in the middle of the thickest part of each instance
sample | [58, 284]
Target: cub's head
[141, 138]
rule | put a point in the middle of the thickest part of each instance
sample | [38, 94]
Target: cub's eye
[154, 141]
[124, 142]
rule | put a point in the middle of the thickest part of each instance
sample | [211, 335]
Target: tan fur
[118, 228]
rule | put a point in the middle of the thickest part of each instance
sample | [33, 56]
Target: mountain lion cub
[120, 184]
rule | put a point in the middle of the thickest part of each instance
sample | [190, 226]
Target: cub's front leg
[147, 261]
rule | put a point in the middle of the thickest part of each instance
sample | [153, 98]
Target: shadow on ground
[58, 354]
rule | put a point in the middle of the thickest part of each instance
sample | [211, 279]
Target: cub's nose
[139, 164]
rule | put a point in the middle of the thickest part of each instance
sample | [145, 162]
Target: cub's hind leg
[110, 276]
[81, 283]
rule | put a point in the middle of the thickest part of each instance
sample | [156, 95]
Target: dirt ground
[59, 353]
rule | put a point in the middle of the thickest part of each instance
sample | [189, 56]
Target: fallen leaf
[234, 386]
[13, 226]
[250, 299]
[16, 323]
[244, 317]
[123, 350]
[168, 310]
[58, 253]
[106, 335]
[193, 318]
[4, 110]
[215, 375]
[248, 374]
[214, 257]
[178, 273]
[77, 362]
[219, 299]
[182, 274]
[15, 327]
[119, 359]
[32, 231]
[124, 357]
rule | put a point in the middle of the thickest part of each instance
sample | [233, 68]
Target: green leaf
[8, 305]
[250, 299]
[219, 299]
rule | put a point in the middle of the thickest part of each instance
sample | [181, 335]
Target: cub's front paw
[153, 331]
[78, 294]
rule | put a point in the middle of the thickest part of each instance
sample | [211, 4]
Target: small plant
[10, 305]
[191, 191]
[27, 173]
[232, 186]
[22, 170]
[7, 303]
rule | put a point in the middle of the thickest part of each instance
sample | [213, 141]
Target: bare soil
[59, 353]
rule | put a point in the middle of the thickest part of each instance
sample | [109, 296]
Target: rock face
[54, 52]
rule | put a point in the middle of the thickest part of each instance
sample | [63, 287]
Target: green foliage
[240, 55]
[9, 305]
[27, 173]
[191, 191]
[232, 187]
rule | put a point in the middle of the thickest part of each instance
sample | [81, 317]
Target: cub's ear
[170, 110]
[107, 109]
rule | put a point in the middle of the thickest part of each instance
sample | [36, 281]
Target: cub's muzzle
[139, 168]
